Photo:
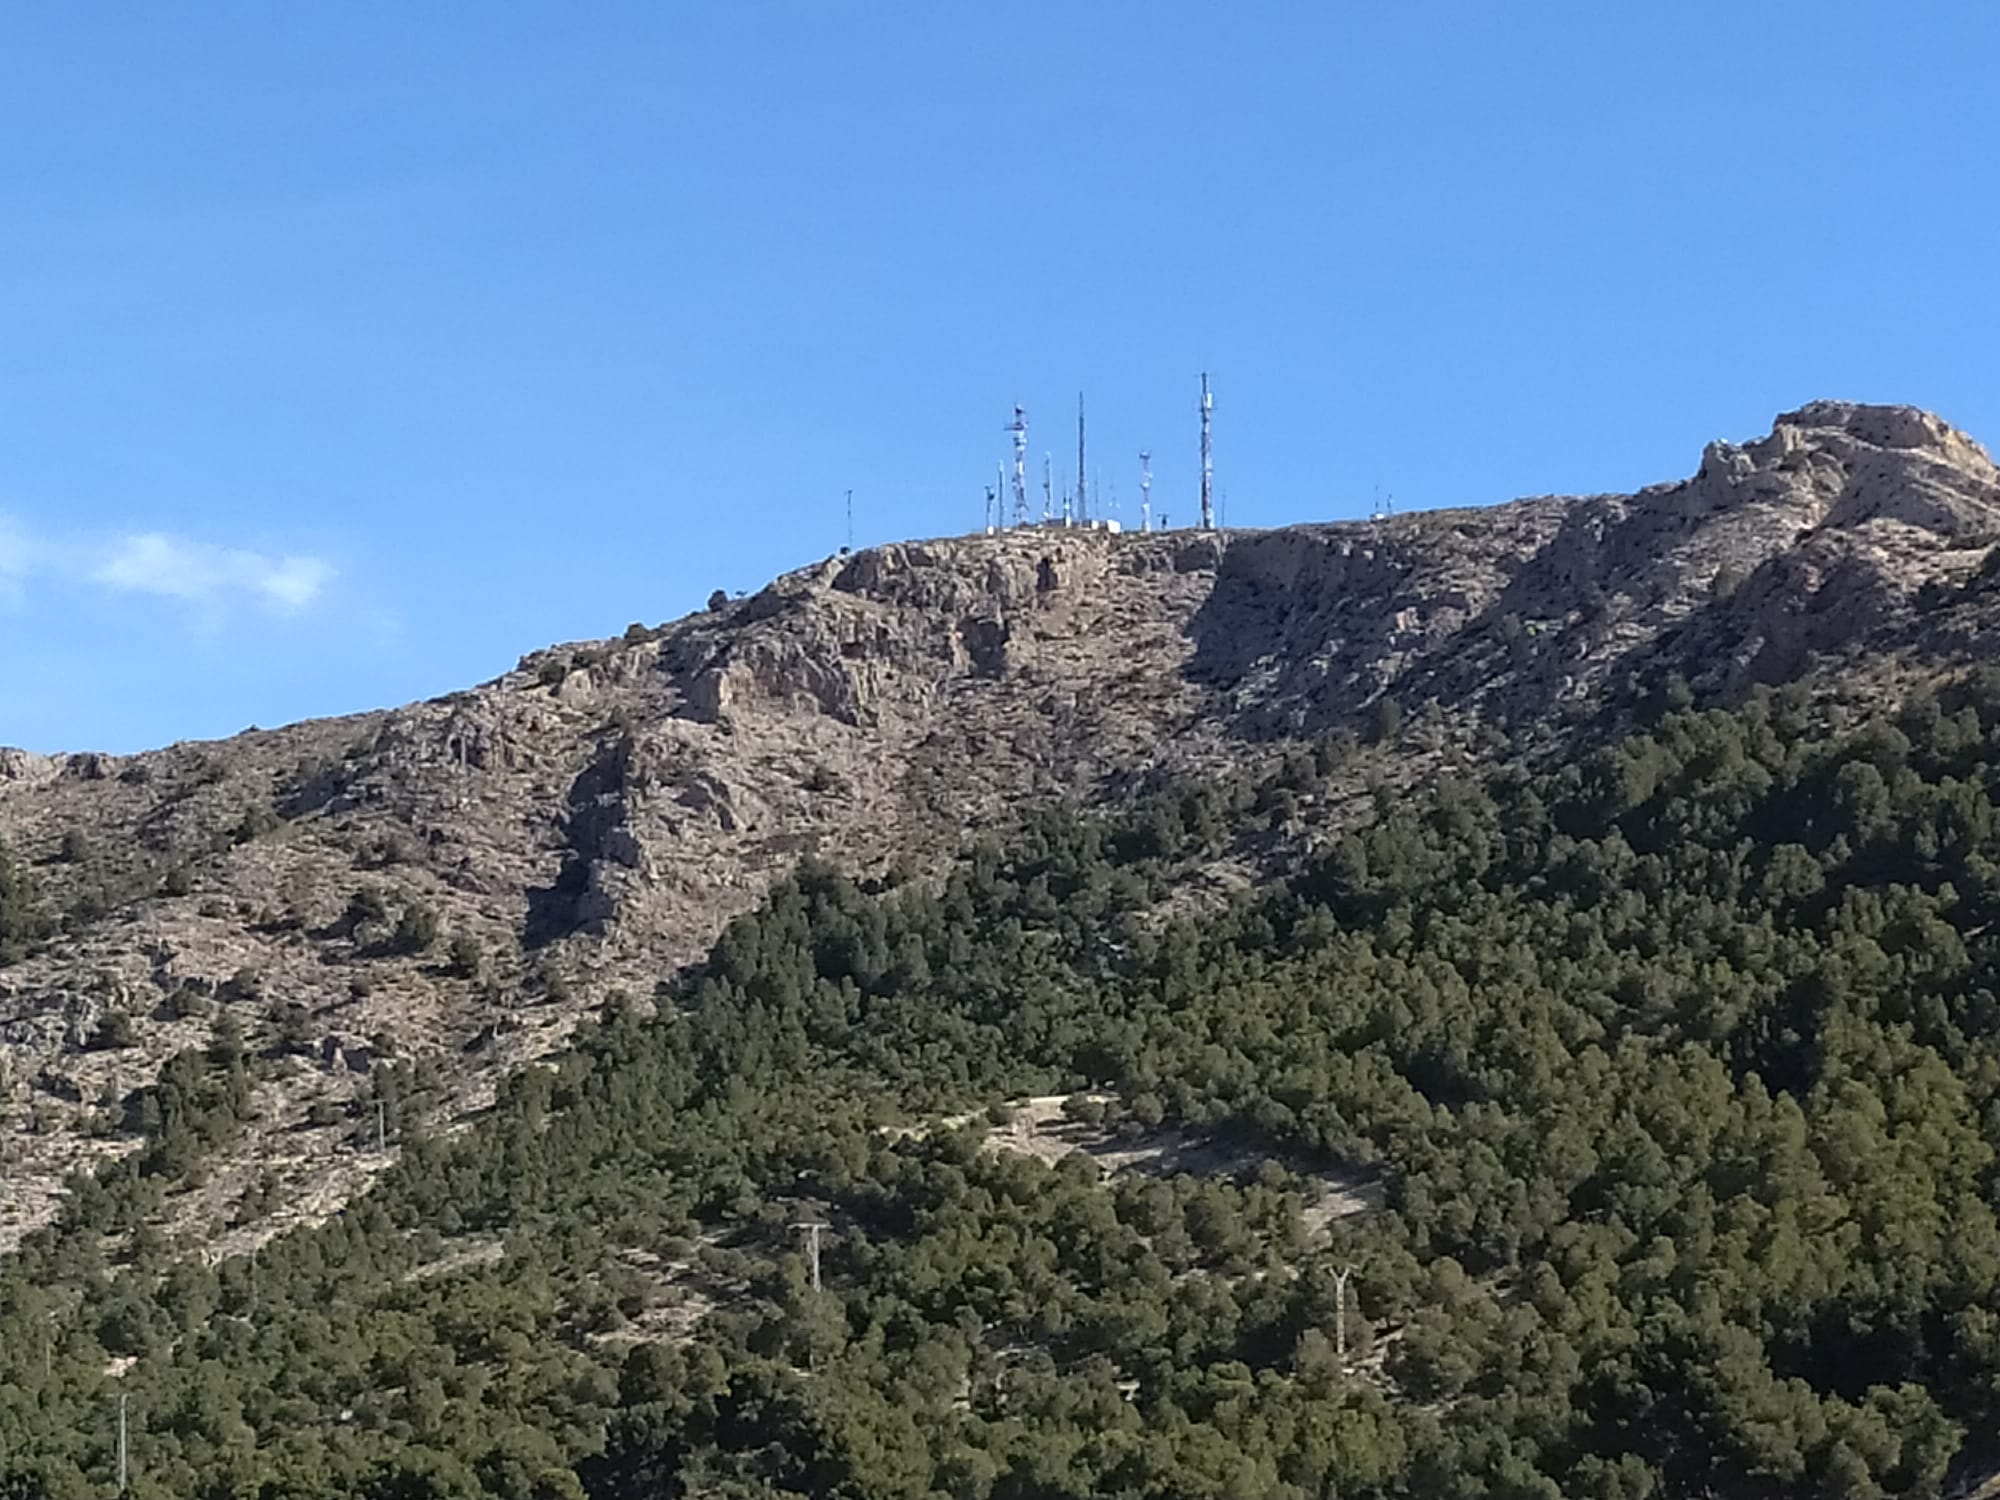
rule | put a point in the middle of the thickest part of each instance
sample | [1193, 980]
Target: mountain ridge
[466, 877]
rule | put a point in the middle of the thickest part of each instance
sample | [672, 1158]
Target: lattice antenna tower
[1082, 502]
[1019, 427]
[1145, 490]
[1207, 458]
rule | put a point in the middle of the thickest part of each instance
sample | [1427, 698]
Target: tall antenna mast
[1019, 428]
[1145, 490]
[850, 520]
[1000, 495]
[1082, 504]
[1207, 459]
[992, 496]
[1048, 488]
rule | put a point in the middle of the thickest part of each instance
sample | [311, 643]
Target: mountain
[463, 878]
[1501, 1001]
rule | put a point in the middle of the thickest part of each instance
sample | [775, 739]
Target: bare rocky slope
[459, 880]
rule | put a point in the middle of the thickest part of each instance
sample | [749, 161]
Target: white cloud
[154, 563]
[165, 566]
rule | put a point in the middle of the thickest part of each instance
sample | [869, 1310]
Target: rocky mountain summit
[398, 907]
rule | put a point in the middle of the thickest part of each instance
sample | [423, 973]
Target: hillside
[1623, 1127]
[1116, 943]
[459, 880]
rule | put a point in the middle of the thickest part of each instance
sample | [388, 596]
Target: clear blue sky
[349, 351]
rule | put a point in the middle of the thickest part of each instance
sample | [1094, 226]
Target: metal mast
[1019, 428]
[1207, 459]
[1048, 488]
[1145, 490]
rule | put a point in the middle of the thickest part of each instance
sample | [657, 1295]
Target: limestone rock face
[586, 822]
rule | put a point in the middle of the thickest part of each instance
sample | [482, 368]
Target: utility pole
[1145, 490]
[812, 1230]
[1207, 459]
[1340, 1316]
[123, 1398]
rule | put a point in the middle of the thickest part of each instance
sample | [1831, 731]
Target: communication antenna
[812, 1231]
[1082, 503]
[1207, 459]
[1000, 495]
[1375, 511]
[1145, 490]
[1019, 427]
[1069, 506]
[1048, 488]
[850, 520]
[991, 497]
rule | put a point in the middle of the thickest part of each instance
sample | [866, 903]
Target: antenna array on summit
[1075, 508]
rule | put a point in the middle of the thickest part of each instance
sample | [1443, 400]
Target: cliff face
[588, 821]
